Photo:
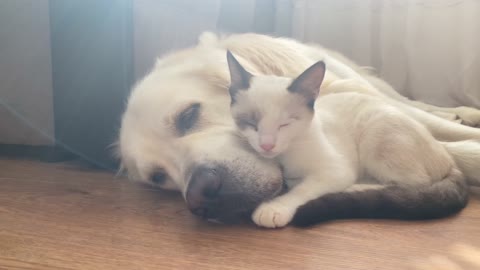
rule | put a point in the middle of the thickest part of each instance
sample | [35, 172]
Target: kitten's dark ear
[308, 83]
[239, 77]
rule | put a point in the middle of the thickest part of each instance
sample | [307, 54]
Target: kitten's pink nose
[267, 146]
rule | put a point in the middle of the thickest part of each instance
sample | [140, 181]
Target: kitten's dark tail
[441, 199]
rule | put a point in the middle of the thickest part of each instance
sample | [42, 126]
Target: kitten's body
[351, 136]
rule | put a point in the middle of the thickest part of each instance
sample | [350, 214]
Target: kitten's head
[272, 111]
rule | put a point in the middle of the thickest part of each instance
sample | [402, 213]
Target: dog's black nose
[203, 190]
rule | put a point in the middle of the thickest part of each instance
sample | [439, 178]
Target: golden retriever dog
[177, 133]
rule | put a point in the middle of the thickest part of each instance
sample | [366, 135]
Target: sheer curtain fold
[428, 49]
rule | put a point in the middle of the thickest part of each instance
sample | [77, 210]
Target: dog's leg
[468, 116]
[448, 116]
[441, 129]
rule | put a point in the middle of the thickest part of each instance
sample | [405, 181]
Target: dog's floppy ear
[308, 83]
[239, 77]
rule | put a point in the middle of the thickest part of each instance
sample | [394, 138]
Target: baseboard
[35, 152]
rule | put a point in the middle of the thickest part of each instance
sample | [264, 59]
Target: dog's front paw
[273, 215]
[469, 116]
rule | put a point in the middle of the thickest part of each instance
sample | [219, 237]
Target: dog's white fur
[148, 140]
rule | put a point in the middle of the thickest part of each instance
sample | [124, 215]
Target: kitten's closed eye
[249, 124]
[288, 122]
[246, 121]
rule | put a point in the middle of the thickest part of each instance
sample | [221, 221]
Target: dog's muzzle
[213, 195]
[204, 191]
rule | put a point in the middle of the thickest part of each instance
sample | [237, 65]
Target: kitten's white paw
[469, 116]
[273, 215]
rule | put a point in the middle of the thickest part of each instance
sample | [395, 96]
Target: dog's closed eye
[187, 119]
[158, 177]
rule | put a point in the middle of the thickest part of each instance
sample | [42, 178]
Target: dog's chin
[244, 216]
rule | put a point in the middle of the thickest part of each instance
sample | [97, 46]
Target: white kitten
[350, 135]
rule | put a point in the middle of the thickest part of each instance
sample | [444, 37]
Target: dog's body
[177, 132]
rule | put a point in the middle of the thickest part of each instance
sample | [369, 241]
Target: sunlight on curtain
[428, 49]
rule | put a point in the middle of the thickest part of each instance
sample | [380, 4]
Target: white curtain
[428, 49]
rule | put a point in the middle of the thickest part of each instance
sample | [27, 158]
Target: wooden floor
[55, 216]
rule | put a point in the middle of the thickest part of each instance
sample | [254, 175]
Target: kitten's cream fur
[350, 136]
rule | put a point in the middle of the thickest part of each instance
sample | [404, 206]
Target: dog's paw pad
[273, 215]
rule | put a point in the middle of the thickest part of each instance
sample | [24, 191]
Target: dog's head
[177, 133]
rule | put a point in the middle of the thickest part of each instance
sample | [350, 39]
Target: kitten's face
[269, 116]
[272, 111]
